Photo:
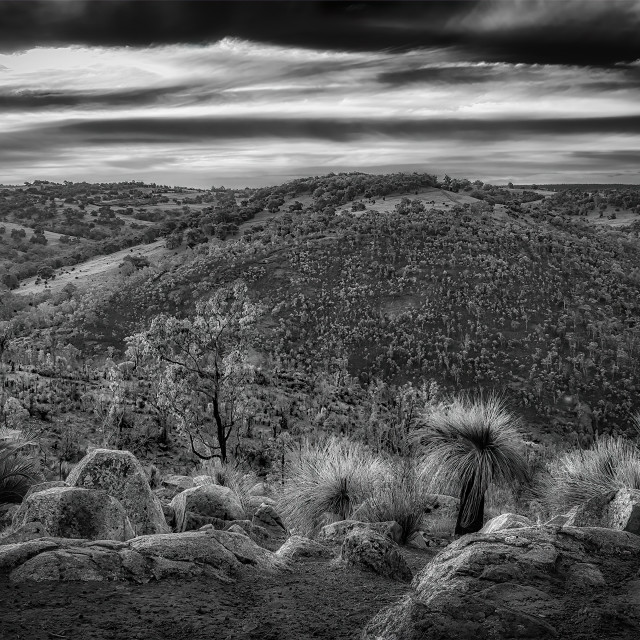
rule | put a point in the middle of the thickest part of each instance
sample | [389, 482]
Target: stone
[207, 500]
[121, 475]
[261, 489]
[73, 512]
[418, 540]
[515, 583]
[257, 533]
[375, 552]
[13, 555]
[190, 546]
[506, 521]
[246, 550]
[203, 481]
[7, 513]
[175, 483]
[234, 528]
[41, 486]
[169, 514]
[268, 518]
[194, 521]
[255, 502]
[584, 576]
[25, 532]
[297, 547]
[624, 511]
[592, 513]
[561, 519]
[337, 531]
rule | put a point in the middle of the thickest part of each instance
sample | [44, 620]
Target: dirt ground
[318, 599]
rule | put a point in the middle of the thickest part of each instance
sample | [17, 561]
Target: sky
[253, 93]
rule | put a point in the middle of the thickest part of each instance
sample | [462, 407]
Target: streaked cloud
[242, 109]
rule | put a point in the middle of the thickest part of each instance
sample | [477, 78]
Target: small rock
[268, 518]
[375, 552]
[337, 531]
[203, 481]
[297, 547]
[583, 576]
[624, 511]
[506, 521]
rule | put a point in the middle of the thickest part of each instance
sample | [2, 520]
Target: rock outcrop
[375, 552]
[121, 475]
[522, 583]
[336, 532]
[211, 501]
[506, 521]
[72, 512]
[216, 554]
[25, 532]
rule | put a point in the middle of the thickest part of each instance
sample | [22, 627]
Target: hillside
[368, 284]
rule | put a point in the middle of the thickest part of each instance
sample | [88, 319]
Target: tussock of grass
[401, 496]
[332, 477]
[611, 464]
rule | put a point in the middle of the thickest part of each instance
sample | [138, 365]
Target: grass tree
[471, 444]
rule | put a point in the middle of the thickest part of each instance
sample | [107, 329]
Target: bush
[401, 496]
[330, 478]
[574, 478]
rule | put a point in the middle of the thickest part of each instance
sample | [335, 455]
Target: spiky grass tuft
[470, 444]
[575, 477]
[17, 470]
[401, 496]
[328, 480]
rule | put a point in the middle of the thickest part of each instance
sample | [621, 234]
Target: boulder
[72, 512]
[191, 546]
[624, 511]
[592, 513]
[506, 521]
[615, 510]
[521, 583]
[268, 518]
[194, 521]
[121, 475]
[7, 513]
[418, 540]
[337, 531]
[375, 552]
[212, 501]
[561, 519]
[257, 533]
[246, 550]
[255, 502]
[297, 547]
[28, 531]
[174, 484]
[234, 528]
[169, 514]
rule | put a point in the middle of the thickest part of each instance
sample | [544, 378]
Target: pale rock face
[619, 511]
[25, 532]
[202, 481]
[176, 484]
[121, 475]
[72, 512]
[211, 501]
[375, 552]
[506, 521]
[515, 583]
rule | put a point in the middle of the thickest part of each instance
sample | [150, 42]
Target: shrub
[471, 444]
[575, 477]
[332, 477]
[18, 471]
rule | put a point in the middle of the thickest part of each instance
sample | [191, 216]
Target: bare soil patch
[318, 599]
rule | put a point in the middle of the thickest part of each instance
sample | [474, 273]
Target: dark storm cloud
[548, 31]
[30, 100]
[173, 130]
[620, 156]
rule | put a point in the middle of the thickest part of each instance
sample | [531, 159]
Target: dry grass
[18, 471]
[611, 464]
[327, 481]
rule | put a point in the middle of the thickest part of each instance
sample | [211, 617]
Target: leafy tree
[203, 367]
[473, 443]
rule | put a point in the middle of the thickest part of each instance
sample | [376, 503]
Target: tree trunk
[478, 519]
